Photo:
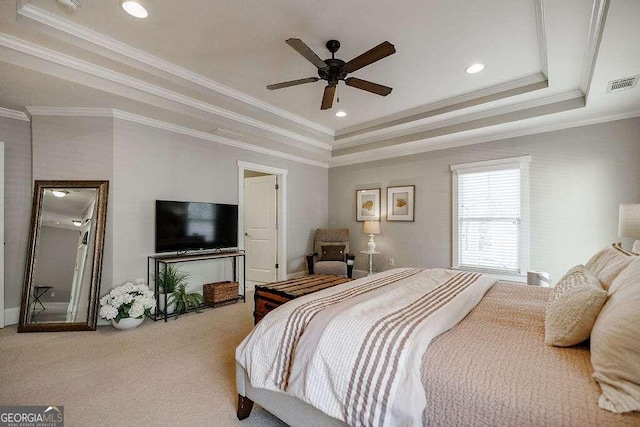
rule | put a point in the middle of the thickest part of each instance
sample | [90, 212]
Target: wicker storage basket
[220, 292]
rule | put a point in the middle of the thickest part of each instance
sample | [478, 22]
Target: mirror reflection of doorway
[61, 257]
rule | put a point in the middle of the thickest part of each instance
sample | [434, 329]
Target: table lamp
[629, 224]
[372, 228]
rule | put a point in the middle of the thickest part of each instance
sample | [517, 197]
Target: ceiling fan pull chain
[338, 96]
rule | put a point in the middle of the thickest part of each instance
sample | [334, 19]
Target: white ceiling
[61, 211]
[198, 65]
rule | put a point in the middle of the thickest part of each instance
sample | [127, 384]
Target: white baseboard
[11, 316]
[56, 306]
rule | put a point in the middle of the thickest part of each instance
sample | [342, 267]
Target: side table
[371, 254]
[39, 292]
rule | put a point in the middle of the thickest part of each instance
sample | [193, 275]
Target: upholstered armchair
[331, 253]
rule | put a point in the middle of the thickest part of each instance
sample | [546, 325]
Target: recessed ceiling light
[77, 222]
[475, 68]
[134, 8]
[59, 193]
[341, 114]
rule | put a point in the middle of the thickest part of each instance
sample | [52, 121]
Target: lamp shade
[629, 225]
[372, 227]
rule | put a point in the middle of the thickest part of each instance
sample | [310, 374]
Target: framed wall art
[400, 203]
[368, 204]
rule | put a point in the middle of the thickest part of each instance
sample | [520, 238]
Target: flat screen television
[185, 226]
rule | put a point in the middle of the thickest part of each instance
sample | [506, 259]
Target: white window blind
[488, 222]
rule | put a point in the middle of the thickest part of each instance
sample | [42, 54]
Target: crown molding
[70, 111]
[13, 114]
[480, 115]
[115, 77]
[470, 99]
[446, 141]
[596, 29]
[542, 36]
[55, 22]
[147, 121]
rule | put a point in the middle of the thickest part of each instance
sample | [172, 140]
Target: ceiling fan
[333, 70]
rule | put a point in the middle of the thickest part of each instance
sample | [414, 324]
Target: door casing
[282, 211]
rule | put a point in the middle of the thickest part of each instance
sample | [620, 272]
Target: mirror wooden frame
[102, 192]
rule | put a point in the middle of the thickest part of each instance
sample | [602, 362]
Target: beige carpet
[177, 373]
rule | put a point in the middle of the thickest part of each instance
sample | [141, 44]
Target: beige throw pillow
[573, 307]
[615, 344]
[608, 263]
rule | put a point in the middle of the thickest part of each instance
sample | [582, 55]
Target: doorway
[262, 221]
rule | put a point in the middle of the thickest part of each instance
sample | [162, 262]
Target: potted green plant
[168, 281]
[184, 300]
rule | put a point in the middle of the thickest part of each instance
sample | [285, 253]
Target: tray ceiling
[204, 66]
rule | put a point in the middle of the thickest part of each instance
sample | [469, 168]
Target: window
[491, 216]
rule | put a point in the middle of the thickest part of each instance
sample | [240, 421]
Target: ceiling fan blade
[383, 50]
[306, 51]
[368, 86]
[327, 98]
[292, 83]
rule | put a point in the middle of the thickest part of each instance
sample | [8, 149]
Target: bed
[488, 367]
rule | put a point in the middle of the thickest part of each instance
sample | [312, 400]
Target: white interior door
[1, 235]
[260, 240]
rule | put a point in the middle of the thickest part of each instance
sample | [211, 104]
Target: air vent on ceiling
[69, 5]
[225, 133]
[622, 84]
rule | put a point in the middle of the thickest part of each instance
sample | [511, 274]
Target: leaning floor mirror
[64, 262]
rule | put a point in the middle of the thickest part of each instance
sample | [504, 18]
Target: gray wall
[16, 135]
[152, 164]
[578, 178]
[56, 257]
[77, 148]
[142, 164]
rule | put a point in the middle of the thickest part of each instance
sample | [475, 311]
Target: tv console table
[154, 270]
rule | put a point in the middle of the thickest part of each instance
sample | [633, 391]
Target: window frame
[522, 163]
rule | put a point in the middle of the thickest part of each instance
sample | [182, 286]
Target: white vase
[128, 323]
[171, 307]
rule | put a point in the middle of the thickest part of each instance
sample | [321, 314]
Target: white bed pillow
[608, 263]
[615, 344]
[573, 306]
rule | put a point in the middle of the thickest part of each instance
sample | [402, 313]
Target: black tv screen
[184, 226]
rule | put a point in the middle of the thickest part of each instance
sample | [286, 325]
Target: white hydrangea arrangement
[128, 300]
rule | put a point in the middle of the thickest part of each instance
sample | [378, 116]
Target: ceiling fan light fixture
[59, 193]
[475, 68]
[341, 114]
[134, 9]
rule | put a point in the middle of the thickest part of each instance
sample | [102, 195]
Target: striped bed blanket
[354, 351]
